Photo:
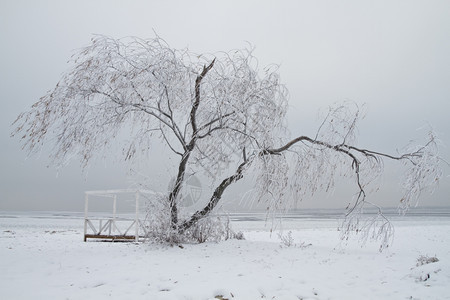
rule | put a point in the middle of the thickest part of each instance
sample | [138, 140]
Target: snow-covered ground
[45, 258]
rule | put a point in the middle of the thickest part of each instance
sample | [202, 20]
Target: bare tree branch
[197, 96]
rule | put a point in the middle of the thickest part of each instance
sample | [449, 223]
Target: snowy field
[43, 256]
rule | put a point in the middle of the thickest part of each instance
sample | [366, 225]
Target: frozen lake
[306, 218]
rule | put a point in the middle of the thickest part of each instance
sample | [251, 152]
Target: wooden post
[86, 203]
[114, 211]
[137, 217]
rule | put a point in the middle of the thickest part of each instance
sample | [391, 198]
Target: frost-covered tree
[214, 112]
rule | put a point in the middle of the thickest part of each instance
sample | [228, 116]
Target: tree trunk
[217, 195]
[176, 189]
[188, 148]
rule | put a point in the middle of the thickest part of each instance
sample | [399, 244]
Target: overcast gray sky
[391, 55]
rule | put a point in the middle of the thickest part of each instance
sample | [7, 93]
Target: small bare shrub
[239, 235]
[212, 229]
[207, 229]
[287, 239]
[424, 260]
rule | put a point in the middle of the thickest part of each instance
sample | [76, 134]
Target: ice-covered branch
[198, 80]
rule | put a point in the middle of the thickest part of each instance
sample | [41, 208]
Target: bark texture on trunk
[217, 195]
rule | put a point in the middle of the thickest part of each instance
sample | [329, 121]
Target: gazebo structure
[115, 225]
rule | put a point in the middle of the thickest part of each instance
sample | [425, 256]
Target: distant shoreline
[307, 213]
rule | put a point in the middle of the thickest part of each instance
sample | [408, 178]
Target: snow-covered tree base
[212, 228]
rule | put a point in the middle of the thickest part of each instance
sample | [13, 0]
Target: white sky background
[392, 55]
